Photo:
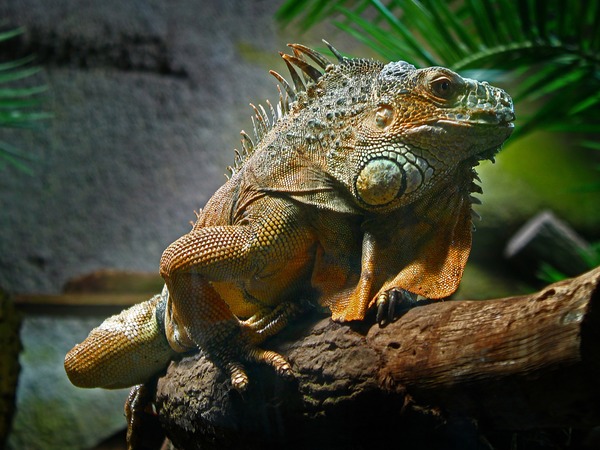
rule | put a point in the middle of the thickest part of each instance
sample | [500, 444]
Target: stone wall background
[148, 98]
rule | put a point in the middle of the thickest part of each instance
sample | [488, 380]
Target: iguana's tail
[127, 349]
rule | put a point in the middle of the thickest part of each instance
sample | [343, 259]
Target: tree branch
[519, 363]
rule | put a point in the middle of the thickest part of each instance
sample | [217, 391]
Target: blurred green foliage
[550, 274]
[551, 48]
[19, 103]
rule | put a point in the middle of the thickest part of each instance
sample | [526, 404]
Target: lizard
[355, 193]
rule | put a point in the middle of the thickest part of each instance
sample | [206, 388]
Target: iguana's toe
[239, 378]
[273, 359]
[391, 303]
[270, 321]
[237, 371]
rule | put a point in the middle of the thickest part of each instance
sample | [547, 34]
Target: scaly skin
[127, 349]
[357, 194]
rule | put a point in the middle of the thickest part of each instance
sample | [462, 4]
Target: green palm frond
[19, 104]
[551, 49]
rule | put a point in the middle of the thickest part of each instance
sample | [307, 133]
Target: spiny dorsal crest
[262, 121]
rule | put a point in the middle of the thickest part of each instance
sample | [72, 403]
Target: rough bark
[444, 375]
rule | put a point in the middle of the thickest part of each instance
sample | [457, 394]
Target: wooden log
[522, 363]
[104, 292]
[116, 282]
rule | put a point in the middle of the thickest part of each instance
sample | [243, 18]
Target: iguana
[356, 194]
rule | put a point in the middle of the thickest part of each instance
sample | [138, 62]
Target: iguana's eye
[384, 116]
[442, 87]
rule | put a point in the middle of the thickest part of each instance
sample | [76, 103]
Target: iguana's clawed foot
[255, 330]
[270, 321]
[142, 422]
[392, 303]
[237, 371]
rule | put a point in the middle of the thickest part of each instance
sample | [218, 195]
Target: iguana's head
[363, 135]
[419, 126]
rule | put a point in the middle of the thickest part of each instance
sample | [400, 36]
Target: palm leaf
[551, 48]
[19, 104]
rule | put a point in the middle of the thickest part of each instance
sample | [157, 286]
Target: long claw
[391, 304]
[142, 422]
[381, 303]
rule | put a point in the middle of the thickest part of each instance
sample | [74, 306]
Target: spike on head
[260, 126]
[286, 86]
[314, 55]
[474, 200]
[238, 156]
[256, 129]
[300, 57]
[265, 116]
[341, 58]
[306, 68]
[298, 84]
[246, 140]
[283, 105]
[274, 116]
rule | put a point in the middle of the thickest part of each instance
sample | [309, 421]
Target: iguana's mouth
[501, 117]
[492, 126]
[492, 122]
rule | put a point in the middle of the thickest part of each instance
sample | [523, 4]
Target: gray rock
[51, 412]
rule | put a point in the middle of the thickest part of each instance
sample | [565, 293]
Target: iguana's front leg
[389, 302]
[229, 253]
[358, 303]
